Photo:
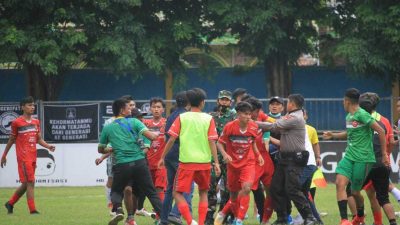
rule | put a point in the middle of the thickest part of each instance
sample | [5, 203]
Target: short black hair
[246, 96]
[297, 99]
[244, 107]
[353, 95]
[196, 96]
[128, 97]
[157, 99]
[237, 92]
[119, 104]
[26, 100]
[254, 102]
[181, 99]
[369, 101]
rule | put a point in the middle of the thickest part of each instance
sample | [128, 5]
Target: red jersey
[157, 145]
[26, 134]
[262, 116]
[239, 144]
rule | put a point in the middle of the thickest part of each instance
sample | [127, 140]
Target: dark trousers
[305, 180]
[286, 187]
[380, 181]
[137, 174]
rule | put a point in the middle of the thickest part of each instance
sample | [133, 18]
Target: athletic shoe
[143, 212]
[279, 222]
[358, 220]
[130, 222]
[9, 207]
[310, 221]
[322, 214]
[290, 220]
[112, 213]
[194, 222]
[119, 215]
[397, 214]
[34, 212]
[219, 219]
[238, 222]
[174, 220]
[298, 220]
[345, 222]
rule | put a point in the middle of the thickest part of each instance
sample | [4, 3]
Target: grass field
[87, 205]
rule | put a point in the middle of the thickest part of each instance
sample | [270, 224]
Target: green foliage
[369, 36]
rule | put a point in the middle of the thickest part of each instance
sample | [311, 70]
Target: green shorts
[356, 172]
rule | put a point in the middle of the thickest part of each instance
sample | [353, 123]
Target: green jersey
[124, 143]
[222, 119]
[359, 137]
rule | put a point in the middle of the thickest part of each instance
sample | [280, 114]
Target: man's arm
[45, 144]
[287, 122]
[257, 154]
[221, 148]
[103, 149]
[10, 142]
[100, 160]
[317, 153]
[275, 141]
[167, 148]
[215, 157]
[150, 135]
[382, 140]
[330, 135]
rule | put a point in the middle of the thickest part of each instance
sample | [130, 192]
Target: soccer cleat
[238, 222]
[34, 212]
[174, 220]
[130, 222]
[9, 207]
[279, 222]
[119, 215]
[358, 220]
[193, 223]
[310, 221]
[143, 212]
[219, 219]
[345, 222]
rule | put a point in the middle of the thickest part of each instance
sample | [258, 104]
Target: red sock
[185, 211]
[267, 209]
[161, 194]
[31, 204]
[243, 207]
[203, 207]
[14, 199]
[378, 217]
[227, 208]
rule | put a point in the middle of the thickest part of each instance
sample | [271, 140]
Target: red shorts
[185, 175]
[238, 176]
[26, 171]
[368, 185]
[159, 177]
[263, 173]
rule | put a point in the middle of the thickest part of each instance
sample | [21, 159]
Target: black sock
[343, 209]
[392, 222]
[360, 211]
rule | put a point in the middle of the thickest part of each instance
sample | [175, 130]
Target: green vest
[193, 138]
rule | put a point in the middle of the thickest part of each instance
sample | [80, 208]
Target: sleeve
[175, 128]
[313, 136]
[365, 118]
[104, 136]
[14, 128]
[146, 141]
[138, 126]
[266, 135]
[212, 131]
[224, 138]
[38, 126]
[287, 122]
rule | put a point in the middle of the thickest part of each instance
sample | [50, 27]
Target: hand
[98, 161]
[385, 161]
[52, 148]
[217, 169]
[319, 161]
[160, 163]
[327, 135]
[3, 162]
[396, 129]
[227, 158]
[260, 160]
[145, 150]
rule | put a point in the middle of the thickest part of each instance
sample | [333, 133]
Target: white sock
[108, 194]
[396, 193]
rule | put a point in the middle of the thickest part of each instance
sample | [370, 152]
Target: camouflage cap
[225, 94]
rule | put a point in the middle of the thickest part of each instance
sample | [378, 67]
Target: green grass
[87, 205]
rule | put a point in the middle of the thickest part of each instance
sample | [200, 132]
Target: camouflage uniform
[220, 121]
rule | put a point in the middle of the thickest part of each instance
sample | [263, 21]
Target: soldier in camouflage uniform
[222, 115]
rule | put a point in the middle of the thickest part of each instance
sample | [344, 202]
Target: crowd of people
[229, 153]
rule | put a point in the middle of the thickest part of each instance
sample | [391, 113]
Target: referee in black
[292, 158]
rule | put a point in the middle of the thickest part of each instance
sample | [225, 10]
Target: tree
[47, 38]
[368, 37]
[276, 32]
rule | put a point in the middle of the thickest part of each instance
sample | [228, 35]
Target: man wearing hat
[222, 115]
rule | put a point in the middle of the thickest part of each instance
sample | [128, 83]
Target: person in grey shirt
[292, 159]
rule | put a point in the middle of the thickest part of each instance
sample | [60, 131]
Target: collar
[294, 111]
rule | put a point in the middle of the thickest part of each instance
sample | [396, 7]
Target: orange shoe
[358, 220]
[345, 222]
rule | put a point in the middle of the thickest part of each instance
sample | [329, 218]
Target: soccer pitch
[87, 205]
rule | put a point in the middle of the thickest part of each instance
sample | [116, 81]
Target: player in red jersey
[25, 133]
[157, 125]
[238, 147]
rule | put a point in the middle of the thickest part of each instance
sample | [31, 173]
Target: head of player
[138, 114]
[224, 101]
[275, 106]
[157, 107]
[368, 101]
[238, 94]
[295, 102]
[129, 98]
[121, 107]
[196, 98]
[244, 112]
[181, 100]
[28, 106]
[256, 107]
[350, 100]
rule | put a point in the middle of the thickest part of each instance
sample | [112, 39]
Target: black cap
[137, 112]
[276, 99]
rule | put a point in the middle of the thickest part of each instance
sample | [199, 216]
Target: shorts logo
[354, 123]
[5, 121]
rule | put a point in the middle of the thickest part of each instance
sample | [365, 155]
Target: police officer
[292, 159]
[222, 115]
